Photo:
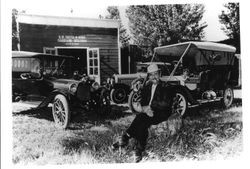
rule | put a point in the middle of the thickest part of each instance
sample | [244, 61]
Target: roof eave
[67, 21]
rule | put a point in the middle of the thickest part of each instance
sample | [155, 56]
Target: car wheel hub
[59, 111]
[228, 97]
[179, 104]
[120, 94]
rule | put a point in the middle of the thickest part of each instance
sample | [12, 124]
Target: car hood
[133, 75]
[63, 84]
[65, 81]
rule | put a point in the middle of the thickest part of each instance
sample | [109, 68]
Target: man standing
[155, 107]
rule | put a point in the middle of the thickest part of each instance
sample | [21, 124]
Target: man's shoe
[121, 142]
[137, 156]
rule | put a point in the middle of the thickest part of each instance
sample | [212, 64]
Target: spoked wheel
[228, 96]
[180, 104]
[118, 95]
[60, 110]
[134, 98]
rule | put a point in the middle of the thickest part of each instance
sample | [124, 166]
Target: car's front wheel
[61, 112]
[118, 95]
[180, 103]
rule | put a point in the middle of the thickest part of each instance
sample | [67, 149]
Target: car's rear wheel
[61, 112]
[118, 95]
[134, 98]
[228, 96]
[180, 103]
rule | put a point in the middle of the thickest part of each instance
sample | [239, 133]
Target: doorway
[80, 62]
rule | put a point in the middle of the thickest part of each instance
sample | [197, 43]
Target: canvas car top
[178, 49]
[27, 54]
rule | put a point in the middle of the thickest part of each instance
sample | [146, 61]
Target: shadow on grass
[73, 144]
[40, 113]
[81, 118]
[78, 118]
[117, 112]
[205, 109]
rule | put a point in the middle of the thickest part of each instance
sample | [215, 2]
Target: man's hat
[152, 68]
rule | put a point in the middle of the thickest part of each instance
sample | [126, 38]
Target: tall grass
[208, 134]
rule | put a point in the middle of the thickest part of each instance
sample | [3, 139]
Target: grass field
[208, 133]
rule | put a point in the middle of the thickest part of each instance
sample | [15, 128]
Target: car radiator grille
[83, 92]
[126, 81]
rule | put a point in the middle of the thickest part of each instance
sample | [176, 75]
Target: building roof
[176, 48]
[67, 21]
[27, 54]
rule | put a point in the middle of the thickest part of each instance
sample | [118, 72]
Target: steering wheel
[174, 62]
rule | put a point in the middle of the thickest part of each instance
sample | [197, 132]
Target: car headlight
[110, 80]
[73, 88]
[96, 85]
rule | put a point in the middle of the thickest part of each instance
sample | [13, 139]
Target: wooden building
[132, 54]
[93, 42]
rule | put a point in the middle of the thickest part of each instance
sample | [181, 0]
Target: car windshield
[167, 69]
[60, 67]
[142, 68]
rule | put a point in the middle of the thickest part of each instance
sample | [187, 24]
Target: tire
[133, 98]
[60, 111]
[180, 103]
[118, 95]
[228, 96]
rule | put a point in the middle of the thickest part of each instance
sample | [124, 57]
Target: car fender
[135, 81]
[185, 91]
[103, 90]
[51, 96]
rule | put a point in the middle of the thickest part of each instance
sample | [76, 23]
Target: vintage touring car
[201, 74]
[120, 84]
[48, 78]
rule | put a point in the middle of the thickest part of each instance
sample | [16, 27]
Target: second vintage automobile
[202, 73]
[120, 84]
[48, 78]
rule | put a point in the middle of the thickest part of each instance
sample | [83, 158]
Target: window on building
[49, 50]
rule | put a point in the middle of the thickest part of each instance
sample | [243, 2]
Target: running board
[205, 101]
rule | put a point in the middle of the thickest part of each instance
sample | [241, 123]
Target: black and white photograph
[122, 83]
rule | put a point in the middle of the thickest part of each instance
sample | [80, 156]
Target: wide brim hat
[152, 68]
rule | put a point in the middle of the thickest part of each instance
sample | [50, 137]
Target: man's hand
[143, 109]
[148, 111]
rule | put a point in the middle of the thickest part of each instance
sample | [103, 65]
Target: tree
[14, 30]
[231, 22]
[157, 25]
[115, 14]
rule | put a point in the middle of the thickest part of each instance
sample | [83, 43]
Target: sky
[94, 8]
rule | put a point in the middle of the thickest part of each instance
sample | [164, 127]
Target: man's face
[154, 77]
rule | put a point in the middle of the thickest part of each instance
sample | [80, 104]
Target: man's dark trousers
[140, 125]
[161, 105]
